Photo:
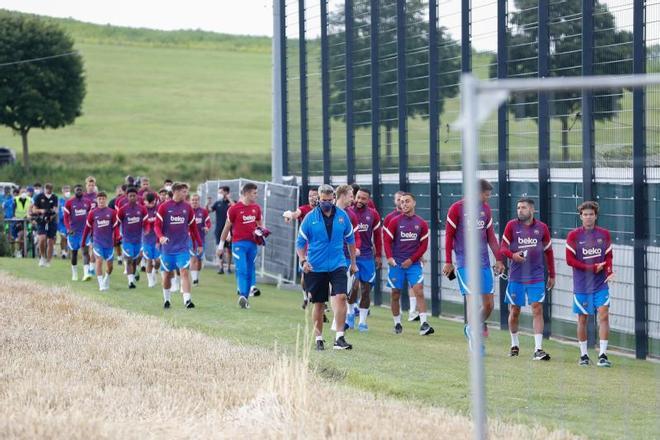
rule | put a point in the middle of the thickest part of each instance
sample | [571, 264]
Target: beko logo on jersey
[177, 220]
[79, 212]
[249, 218]
[102, 223]
[408, 236]
[132, 220]
[481, 224]
[529, 241]
[591, 252]
[362, 227]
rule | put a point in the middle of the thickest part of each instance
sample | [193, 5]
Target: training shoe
[603, 361]
[425, 329]
[87, 277]
[363, 327]
[350, 321]
[398, 328]
[304, 304]
[42, 262]
[325, 319]
[131, 285]
[137, 276]
[540, 355]
[486, 330]
[190, 304]
[120, 262]
[584, 361]
[413, 316]
[229, 270]
[341, 344]
[243, 302]
[143, 269]
[254, 291]
[515, 351]
[196, 283]
[166, 305]
[221, 271]
[320, 345]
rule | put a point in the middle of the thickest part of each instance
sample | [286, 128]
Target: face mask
[168, 187]
[326, 206]
[221, 195]
[22, 195]
[67, 194]
[37, 192]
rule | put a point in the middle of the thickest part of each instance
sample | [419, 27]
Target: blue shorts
[516, 293]
[131, 250]
[150, 251]
[193, 252]
[588, 303]
[88, 242]
[486, 281]
[106, 254]
[397, 276]
[366, 270]
[61, 229]
[74, 241]
[171, 262]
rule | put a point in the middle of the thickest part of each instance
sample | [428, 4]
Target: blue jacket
[324, 253]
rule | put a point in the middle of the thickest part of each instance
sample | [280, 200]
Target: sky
[254, 17]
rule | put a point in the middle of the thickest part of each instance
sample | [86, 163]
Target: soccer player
[144, 187]
[102, 224]
[243, 218]
[526, 241]
[45, 209]
[299, 214]
[90, 197]
[203, 221]
[76, 210]
[589, 253]
[371, 238]
[131, 219]
[320, 248]
[61, 227]
[406, 238]
[150, 251]
[455, 241]
[220, 208]
[175, 226]
[397, 208]
[163, 196]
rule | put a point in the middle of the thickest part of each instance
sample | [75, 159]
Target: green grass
[599, 403]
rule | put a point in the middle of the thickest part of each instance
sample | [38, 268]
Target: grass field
[621, 402]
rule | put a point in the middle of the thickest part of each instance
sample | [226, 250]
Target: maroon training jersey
[243, 220]
[102, 224]
[585, 248]
[75, 214]
[533, 241]
[131, 219]
[369, 229]
[406, 237]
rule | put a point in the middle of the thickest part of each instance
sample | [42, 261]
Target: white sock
[413, 304]
[319, 338]
[106, 278]
[166, 294]
[74, 270]
[514, 340]
[538, 341]
[333, 327]
[131, 278]
[583, 347]
[100, 278]
[422, 318]
[351, 310]
[339, 335]
[304, 294]
[195, 275]
[85, 269]
[363, 315]
[186, 297]
[397, 319]
[603, 346]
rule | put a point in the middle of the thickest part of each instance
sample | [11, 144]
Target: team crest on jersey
[368, 218]
[417, 227]
[599, 241]
[483, 213]
[536, 231]
[341, 220]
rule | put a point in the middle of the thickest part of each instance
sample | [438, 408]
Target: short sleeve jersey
[457, 218]
[244, 220]
[532, 240]
[589, 247]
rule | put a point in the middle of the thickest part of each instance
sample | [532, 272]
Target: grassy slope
[615, 403]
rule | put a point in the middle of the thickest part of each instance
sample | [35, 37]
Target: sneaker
[603, 361]
[229, 270]
[325, 319]
[42, 262]
[87, 277]
[363, 327]
[327, 309]
[190, 304]
[540, 355]
[320, 345]
[350, 321]
[142, 269]
[64, 256]
[120, 262]
[398, 328]
[304, 304]
[74, 277]
[425, 329]
[515, 351]
[242, 302]
[486, 330]
[584, 361]
[166, 305]
[196, 283]
[341, 344]
[47, 264]
[413, 316]
[131, 285]
[255, 292]
[221, 271]
[137, 276]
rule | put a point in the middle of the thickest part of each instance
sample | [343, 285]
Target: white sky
[254, 17]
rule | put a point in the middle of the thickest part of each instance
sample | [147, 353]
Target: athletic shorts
[131, 250]
[150, 251]
[49, 229]
[74, 241]
[487, 285]
[516, 293]
[106, 254]
[366, 270]
[588, 303]
[89, 242]
[397, 276]
[193, 252]
[61, 229]
[317, 284]
[172, 262]
[16, 227]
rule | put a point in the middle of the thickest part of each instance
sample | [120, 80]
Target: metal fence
[277, 259]
[370, 88]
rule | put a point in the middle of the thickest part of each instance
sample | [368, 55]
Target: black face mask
[326, 206]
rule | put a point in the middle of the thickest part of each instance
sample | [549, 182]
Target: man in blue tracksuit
[320, 247]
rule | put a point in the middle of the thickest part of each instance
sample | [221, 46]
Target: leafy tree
[417, 41]
[46, 92]
[612, 55]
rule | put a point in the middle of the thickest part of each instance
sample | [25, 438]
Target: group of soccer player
[339, 262]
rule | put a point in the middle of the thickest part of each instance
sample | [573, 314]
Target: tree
[417, 42]
[612, 55]
[41, 76]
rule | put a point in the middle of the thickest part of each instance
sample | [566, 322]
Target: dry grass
[71, 368]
